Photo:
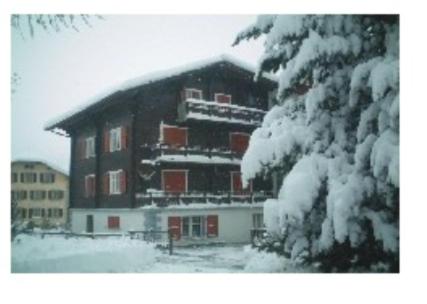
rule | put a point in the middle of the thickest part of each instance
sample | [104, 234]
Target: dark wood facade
[141, 112]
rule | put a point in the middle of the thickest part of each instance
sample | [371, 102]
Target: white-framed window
[115, 177]
[90, 185]
[36, 212]
[257, 220]
[193, 226]
[193, 93]
[47, 177]
[89, 147]
[37, 195]
[28, 177]
[55, 194]
[116, 139]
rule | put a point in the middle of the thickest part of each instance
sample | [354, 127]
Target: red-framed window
[193, 226]
[90, 181]
[113, 222]
[190, 93]
[222, 98]
[174, 136]
[239, 142]
[174, 180]
[236, 183]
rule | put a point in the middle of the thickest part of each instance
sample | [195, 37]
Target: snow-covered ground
[113, 254]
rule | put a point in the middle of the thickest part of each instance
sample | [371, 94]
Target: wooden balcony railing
[161, 152]
[165, 199]
[221, 112]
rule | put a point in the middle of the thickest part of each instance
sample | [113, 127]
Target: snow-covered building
[39, 191]
[163, 151]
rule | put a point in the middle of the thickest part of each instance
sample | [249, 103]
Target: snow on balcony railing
[164, 153]
[195, 199]
[221, 112]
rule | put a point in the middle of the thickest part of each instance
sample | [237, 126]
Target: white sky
[61, 71]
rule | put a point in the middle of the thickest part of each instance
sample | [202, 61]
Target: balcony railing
[196, 154]
[165, 199]
[221, 112]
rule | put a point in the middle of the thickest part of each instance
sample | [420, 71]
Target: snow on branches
[339, 140]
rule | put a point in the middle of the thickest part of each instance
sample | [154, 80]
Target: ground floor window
[193, 226]
[36, 212]
[55, 212]
[113, 222]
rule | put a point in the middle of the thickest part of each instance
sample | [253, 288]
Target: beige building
[40, 192]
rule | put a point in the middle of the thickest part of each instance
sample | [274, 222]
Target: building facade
[40, 193]
[163, 152]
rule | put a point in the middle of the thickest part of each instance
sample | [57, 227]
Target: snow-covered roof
[36, 160]
[153, 77]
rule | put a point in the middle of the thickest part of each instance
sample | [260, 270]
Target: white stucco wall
[234, 223]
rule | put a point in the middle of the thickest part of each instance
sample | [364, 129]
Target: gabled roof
[153, 77]
[40, 161]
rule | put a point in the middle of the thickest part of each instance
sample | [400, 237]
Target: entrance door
[174, 180]
[89, 223]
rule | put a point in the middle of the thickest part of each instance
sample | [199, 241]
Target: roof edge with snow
[154, 77]
[46, 163]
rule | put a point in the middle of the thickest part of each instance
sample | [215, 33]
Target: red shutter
[123, 181]
[174, 181]
[222, 98]
[124, 139]
[174, 136]
[87, 190]
[239, 142]
[107, 141]
[92, 186]
[212, 223]
[174, 226]
[106, 184]
[236, 182]
[113, 222]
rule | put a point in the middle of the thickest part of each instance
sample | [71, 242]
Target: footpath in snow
[32, 254]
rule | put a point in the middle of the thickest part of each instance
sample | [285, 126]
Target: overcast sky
[61, 71]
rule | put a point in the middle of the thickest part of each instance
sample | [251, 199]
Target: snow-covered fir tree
[333, 136]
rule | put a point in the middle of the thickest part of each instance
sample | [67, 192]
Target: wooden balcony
[166, 199]
[196, 154]
[196, 109]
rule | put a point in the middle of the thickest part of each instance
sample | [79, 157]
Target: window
[36, 212]
[56, 194]
[90, 147]
[257, 220]
[185, 226]
[19, 195]
[174, 180]
[14, 177]
[193, 226]
[54, 212]
[196, 226]
[38, 195]
[115, 139]
[116, 182]
[47, 178]
[28, 166]
[90, 185]
[222, 98]
[113, 222]
[23, 213]
[193, 94]
[28, 177]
